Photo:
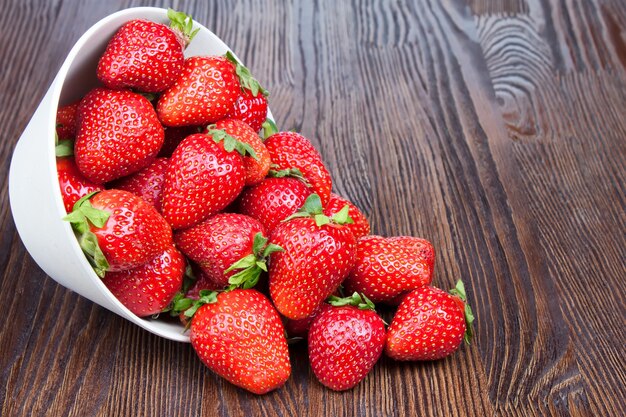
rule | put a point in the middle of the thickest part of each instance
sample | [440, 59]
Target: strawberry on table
[239, 335]
[300, 327]
[360, 227]
[73, 184]
[291, 150]
[251, 104]
[118, 134]
[149, 288]
[145, 55]
[388, 268]
[147, 183]
[319, 252]
[422, 247]
[205, 175]
[430, 324]
[345, 342]
[118, 230]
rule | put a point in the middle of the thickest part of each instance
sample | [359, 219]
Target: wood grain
[496, 129]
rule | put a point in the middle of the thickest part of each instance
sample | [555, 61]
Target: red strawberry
[66, 120]
[292, 150]
[145, 55]
[226, 245]
[147, 183]
[73, 184]
[202, 179]
[273, 200]
[241, 338]
[118, 134]
[360, 227]
[345, 342]
[318, 254]
[250, 109]
[422, 247]
[118, 230]
[149, 288]
[257, 166]
[300, 327]
[204, 93]
[429, 324]
[174, 136]
[386, 269]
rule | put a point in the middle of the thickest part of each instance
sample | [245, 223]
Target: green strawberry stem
[269, 128]
[251, 266]
[64, 147]
[206, 297]
[356, 300]
[182, 25]
[246, 79]
[82, 214]
[312, 207]
[230, 143]
[289, 172]
[459, 291]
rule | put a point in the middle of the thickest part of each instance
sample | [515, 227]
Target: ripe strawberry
[360, 227]
[227, 247]
[174, 136]
[257, 166]
[386, 269]
[345, 342]
[145, 55]
[66, 120]
[251, 104]
[118, 230]
[429, 324]
[149, 288]
[292, 150]
[422, 247]
[318, 254]
[300, 327]
[118, 134]
[241, 338]
[203, 94]
[147, 183]
[273, 200]
[73, 184]
[204, 177]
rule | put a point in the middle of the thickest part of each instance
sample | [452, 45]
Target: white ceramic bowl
[34, 193]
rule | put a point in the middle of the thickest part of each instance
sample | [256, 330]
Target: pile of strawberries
[181, 206]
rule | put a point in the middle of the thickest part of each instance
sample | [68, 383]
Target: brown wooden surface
[497, 129]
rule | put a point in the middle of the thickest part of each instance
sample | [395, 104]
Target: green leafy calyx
[356, 300]
[230, 143]
[64, 147]
[289, 172]
[250, 267]
[269, 128]
[246, 79]
[182, 24]
[459, 291]
[313, 208]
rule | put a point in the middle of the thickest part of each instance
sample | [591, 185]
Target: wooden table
[496, 129]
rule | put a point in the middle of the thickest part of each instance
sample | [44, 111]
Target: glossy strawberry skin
[386, 269]
[344, 345]
[292, 150]
[300, 327]
[273, 200]
[174, 136]
[241, 338]
[360, 227]
[428, 325]
[422, 247]
[143, 55]
[73, 184]
[218, 242]
[147, 183]
[149, 288]
[135, 232]
[66, 121]
[204, 93]
[202, 179]
[315, 261]
[250, 109]
[256, 169]
[118, 134]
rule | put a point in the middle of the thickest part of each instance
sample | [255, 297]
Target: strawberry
[203, 94]
[273, 200]
[257, 166]
[202, 281]
[345, 342]
[422, 247]
[66, 121]
[147, 183]
[429, 324]
[386, 269]
[149, 288]
[251, 104]
[240, 337]
[229, 247]
[204, 177]
[118, 230]
[292, 150]
[174, 136]
[300, 327]
[118, 134]
[145, 55]
[360, 227]
[318, 254]
[73, 184]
